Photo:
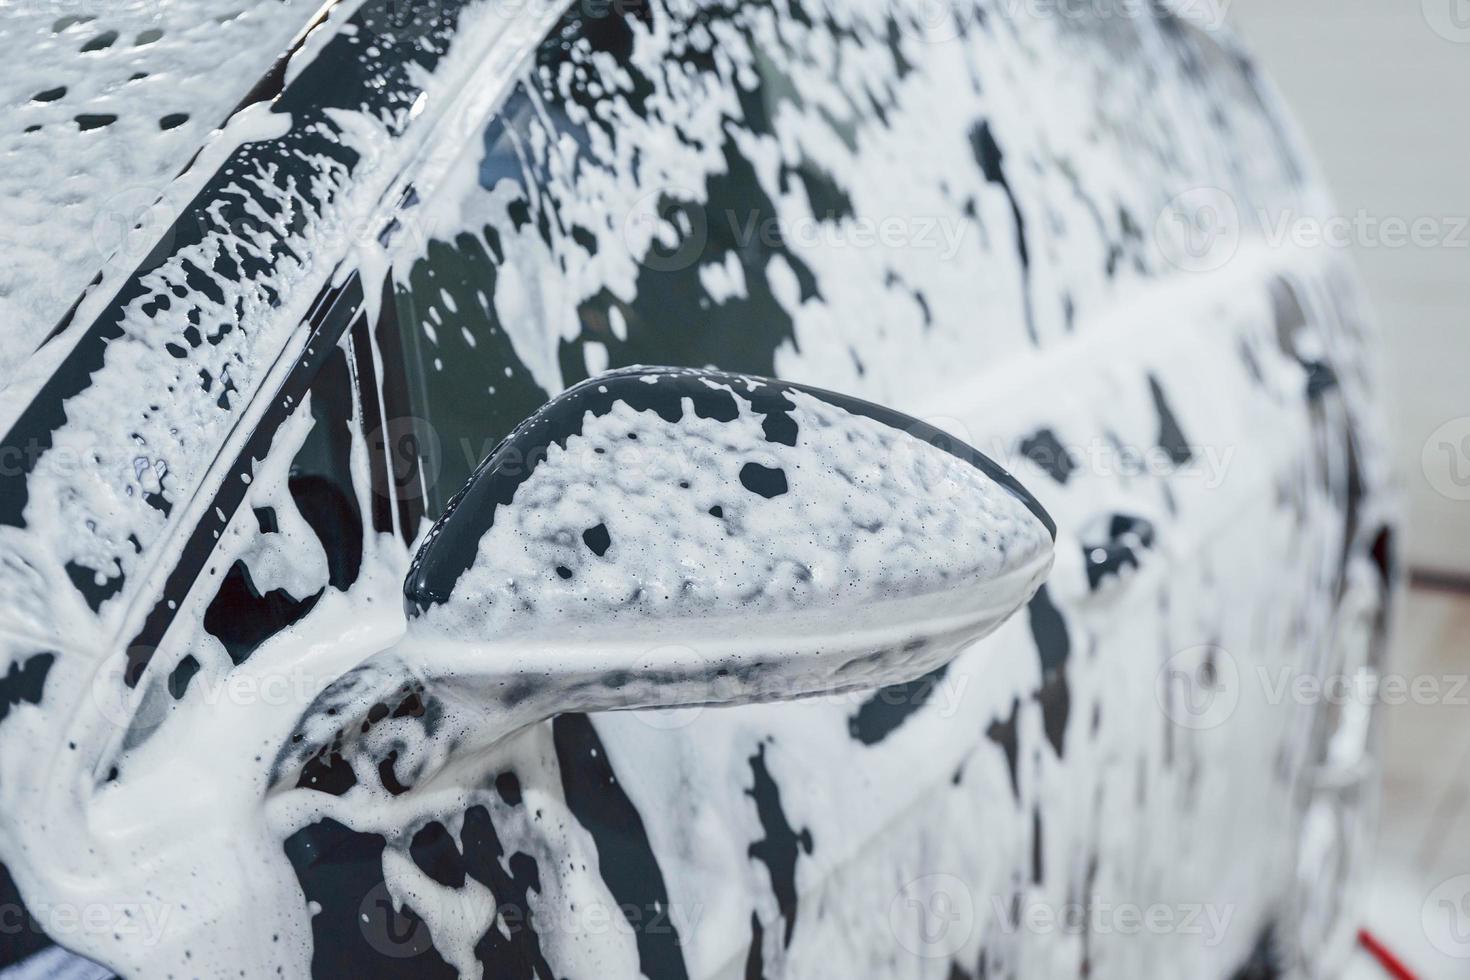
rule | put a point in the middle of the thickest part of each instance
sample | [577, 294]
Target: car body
[1047, 232]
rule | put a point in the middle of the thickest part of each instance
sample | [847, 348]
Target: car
[682, 489]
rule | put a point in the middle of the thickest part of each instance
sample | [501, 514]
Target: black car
[462, 528]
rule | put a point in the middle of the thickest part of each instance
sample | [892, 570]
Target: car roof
[102, 106]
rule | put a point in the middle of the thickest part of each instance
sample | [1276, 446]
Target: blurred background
[1380, 88]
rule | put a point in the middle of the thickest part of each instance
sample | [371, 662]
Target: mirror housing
[664, 537]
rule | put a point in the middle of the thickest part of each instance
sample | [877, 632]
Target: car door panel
[1189, 415]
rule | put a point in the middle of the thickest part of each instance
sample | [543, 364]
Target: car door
[1044, 234]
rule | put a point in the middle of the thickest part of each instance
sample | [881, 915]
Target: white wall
[1382, 89]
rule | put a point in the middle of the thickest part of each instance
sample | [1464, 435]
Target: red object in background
[1391, 964]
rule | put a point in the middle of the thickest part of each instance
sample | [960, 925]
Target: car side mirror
[661, 537]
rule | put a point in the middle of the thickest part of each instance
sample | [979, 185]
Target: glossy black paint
[625, 855]
[1122, 543]
[24, 682]
[782, 846]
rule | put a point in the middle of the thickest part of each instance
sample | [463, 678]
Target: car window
[465, 309]
[781, 191]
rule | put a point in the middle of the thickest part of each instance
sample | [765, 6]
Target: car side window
[787, 192]
[487, 328]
